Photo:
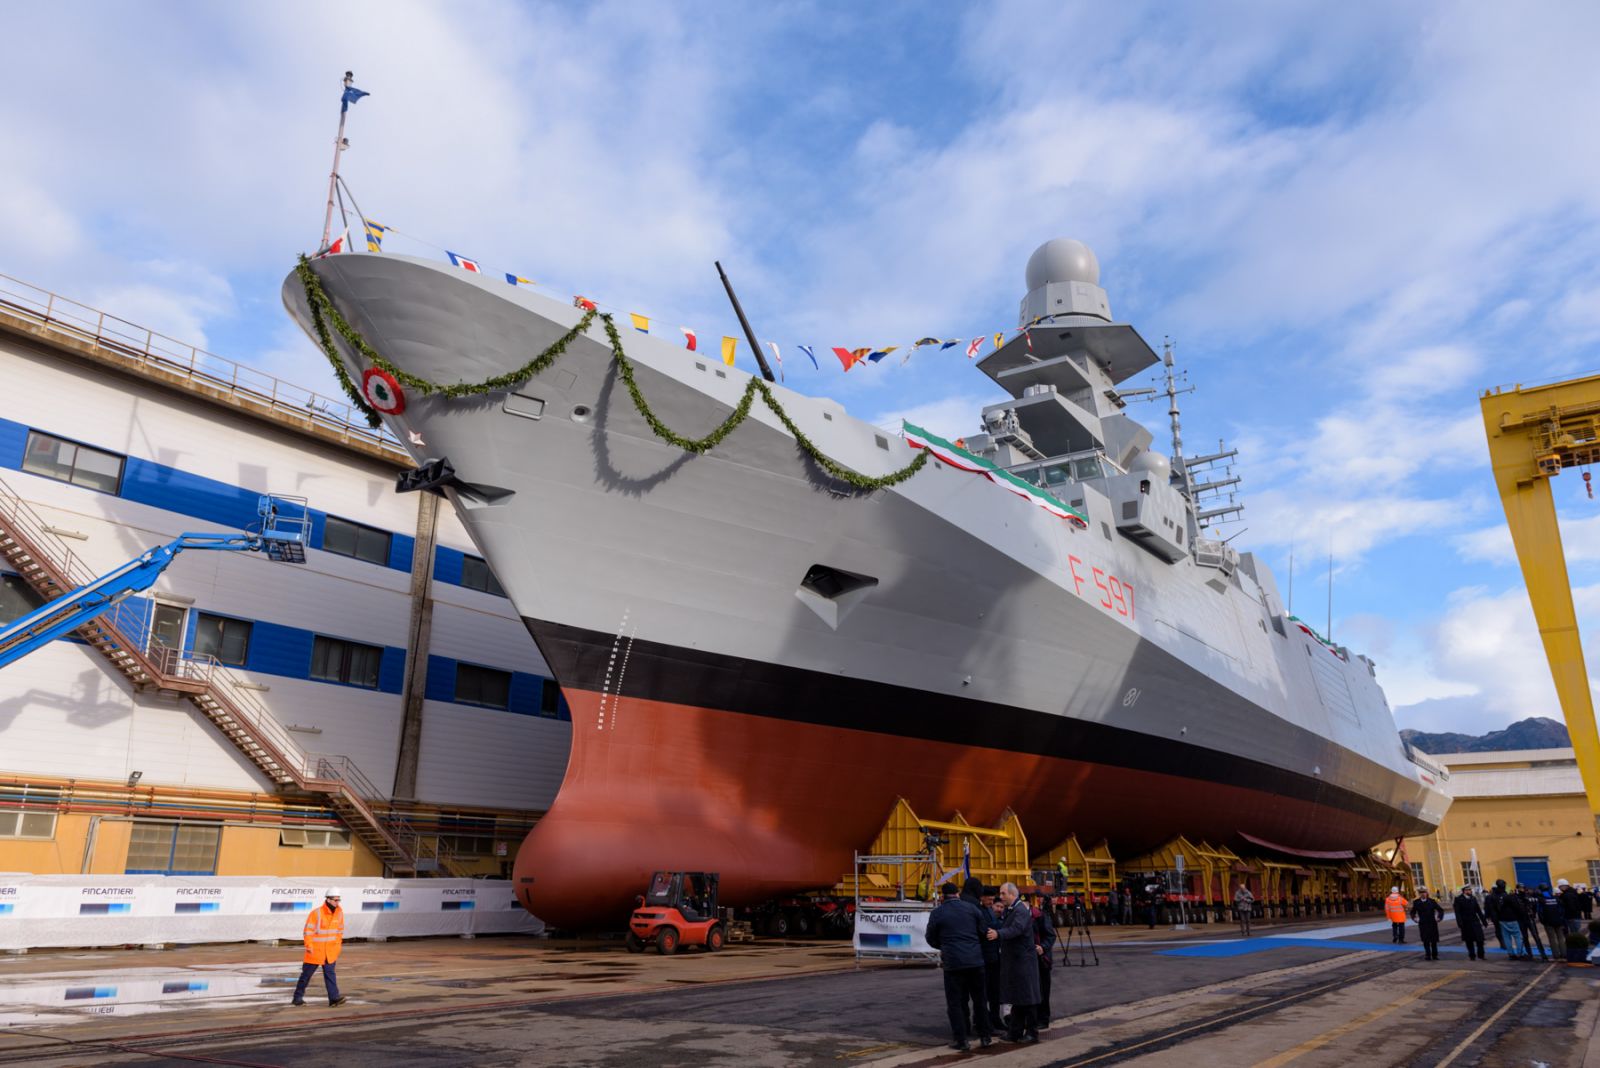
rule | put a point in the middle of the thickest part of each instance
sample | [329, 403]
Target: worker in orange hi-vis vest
[1395, 906]
[324, 933]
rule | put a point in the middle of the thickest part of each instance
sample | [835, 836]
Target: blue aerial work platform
[281, 534]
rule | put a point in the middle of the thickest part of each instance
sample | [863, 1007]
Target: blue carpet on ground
[1258, 945]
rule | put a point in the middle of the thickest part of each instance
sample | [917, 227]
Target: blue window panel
[441, 685]
[279, 650]
[13, 439]
[447, 565]
[319, 524]
[392, 670]
[525, 690]
[171, 490]
[401, 549]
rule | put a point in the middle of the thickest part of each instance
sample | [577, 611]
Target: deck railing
[156, 351]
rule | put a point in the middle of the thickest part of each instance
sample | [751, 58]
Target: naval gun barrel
[755, 346]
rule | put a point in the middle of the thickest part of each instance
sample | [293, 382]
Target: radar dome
[1062, 260]
[1153, 463]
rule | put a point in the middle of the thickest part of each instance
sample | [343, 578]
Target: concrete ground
[1306, 994]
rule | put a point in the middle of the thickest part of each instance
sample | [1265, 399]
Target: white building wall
[474, 756]
[65, 712]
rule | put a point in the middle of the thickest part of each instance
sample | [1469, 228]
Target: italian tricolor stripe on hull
[953, 455]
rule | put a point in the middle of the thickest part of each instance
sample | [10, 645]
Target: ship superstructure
[759, 658]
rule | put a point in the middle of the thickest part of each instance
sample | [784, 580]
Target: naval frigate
[759, 659]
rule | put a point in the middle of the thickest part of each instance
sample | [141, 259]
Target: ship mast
[1185, 484]
[339, 145]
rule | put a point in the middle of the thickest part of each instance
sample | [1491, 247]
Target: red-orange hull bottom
[776, 805]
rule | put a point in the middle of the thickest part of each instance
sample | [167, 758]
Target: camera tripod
[1078, 935]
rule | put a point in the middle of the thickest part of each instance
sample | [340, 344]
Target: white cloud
[1580, 540]
[1489, 663]
[948, 417]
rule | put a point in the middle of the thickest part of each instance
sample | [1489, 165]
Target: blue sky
[1351, 220]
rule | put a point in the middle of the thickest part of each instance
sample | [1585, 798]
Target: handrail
[208, 670]
[157, 351]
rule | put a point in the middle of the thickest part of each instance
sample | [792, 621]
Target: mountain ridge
[1535, 732]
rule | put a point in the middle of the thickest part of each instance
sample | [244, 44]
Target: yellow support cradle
[1535, 433]
[1089, 871]
[998, 854]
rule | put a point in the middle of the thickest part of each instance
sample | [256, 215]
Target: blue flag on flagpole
[351, 95]
[807, 350]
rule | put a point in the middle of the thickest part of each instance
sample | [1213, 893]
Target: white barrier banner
[899, 930]
[90, 910]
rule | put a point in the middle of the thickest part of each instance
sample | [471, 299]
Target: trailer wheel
[778, 925]
[800, 923]
[634, 943]
[667, 940]
[714, 938]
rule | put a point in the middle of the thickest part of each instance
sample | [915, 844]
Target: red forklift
[679, 909]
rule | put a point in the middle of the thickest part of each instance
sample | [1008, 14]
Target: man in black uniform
[1469, 922]
[957, 930]
[972, 894]
[1427, 912]
[1044, 937]
[1019, 965]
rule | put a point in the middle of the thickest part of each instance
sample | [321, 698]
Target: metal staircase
[50, 568]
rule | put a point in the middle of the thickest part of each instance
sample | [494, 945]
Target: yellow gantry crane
[1534, 433]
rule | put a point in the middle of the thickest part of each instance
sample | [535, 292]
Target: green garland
[323, 312]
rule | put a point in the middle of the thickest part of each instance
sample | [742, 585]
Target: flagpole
[333, 175]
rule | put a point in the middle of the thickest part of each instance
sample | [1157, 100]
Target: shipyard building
[379, 710]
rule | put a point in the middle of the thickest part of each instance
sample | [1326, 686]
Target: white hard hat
[1394, 889]
[333, 891]
[1562, 882]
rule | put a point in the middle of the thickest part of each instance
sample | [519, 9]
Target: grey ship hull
[721, 723]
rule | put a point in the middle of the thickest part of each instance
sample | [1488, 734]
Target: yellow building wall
[241, 851]
[1501, 828]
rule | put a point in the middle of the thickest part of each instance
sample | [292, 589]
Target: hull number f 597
[1114, 594]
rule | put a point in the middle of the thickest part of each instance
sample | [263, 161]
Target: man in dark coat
[1044, 936]
[1571, 906]
[1469, 922]
[1506, 910]
[1427, 912]
[1529, 919]
[972, 894]
[956, 929]
[1019, 967]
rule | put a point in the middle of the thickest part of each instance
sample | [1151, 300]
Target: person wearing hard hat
[1395, 907]
[324, 935]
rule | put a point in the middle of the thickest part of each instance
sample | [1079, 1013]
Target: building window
[226, 639]
[483, 686]
[173, 849]
[67, 461]
[1471, 876]
[1418, 880]
[550, 698]
[17, 598]
[475, 575]
[336, 660]
[352, 539]
[1594, 874]
[19, 824]
[314, 838]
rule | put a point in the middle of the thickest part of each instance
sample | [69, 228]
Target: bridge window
[353, 539]
[475, 575]
[336, 660]
[226, 639]
[483, 686]
[67, 461]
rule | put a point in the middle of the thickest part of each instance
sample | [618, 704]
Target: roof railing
[156, 351]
